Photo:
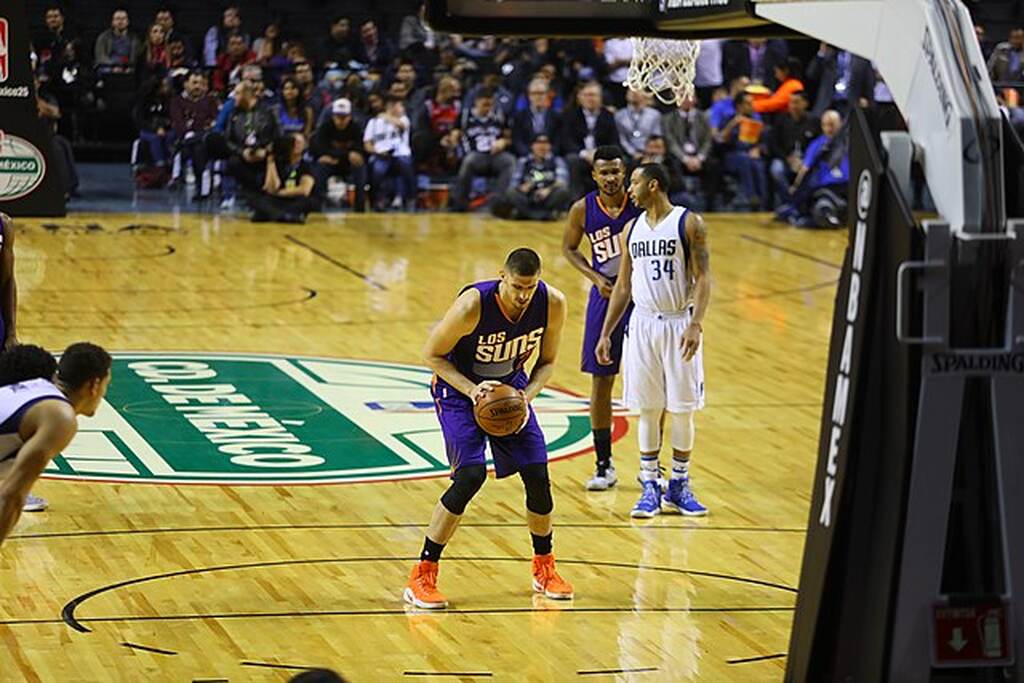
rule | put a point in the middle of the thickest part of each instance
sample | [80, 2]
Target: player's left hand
[691, 341]
[10, 341]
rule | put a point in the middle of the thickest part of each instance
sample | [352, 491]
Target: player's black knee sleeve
[538, 488]
[465, 483]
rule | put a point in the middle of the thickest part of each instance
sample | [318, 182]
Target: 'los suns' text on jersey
[494, 348]
[604, 244]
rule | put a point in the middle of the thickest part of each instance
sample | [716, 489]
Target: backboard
[689, 19]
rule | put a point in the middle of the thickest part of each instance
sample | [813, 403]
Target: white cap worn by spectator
[341, 107]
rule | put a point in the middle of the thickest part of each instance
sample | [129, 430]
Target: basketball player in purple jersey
[601, 216]
[8, 315]
[485, 339]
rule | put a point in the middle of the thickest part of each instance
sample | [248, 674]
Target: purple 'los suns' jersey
[498, 348]
[604, 232]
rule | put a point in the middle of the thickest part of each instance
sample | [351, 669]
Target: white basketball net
[663, 68]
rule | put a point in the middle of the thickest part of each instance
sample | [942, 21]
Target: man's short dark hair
[198, 72]
[523, 261]
[53, 6]
[799, 93]
[740, 96]
[24, 362]
[608, 153]
[484, 92]
[82, 362]
[657, 172]
[393, 99]
[166, 8]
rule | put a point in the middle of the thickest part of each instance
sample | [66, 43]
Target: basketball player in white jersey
[666, 255]
[38, 419]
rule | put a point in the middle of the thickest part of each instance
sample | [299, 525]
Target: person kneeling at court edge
[287, 194]
[39, 417]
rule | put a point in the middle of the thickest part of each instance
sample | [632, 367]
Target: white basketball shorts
[655, 376]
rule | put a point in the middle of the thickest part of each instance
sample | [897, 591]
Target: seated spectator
[1007, 60]
[64, 157]
[192, 115]
[316, 97]
[504, 101]
[372, 49]
[117, 49]
[540, 186]
[788, 75]
[723, 108]
[51, 43]
[554, 101]
[586, 127]
[337, 147]
[688, 138]
[236, 56]
[286, 195]
[245, 143]
[386, 140]
[485, 143]
[165, 17]
[268, 45]
[435, 138]
[72, 84]
[636, 122]
[215, 42]
[537, 119]
[406, 74]
[786, 142]
[293, 114]
[338, 48]
[817, 196]
[743, 159]
[156, 59]
[153, 119]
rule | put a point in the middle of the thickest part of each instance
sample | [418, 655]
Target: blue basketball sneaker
[679, 498]
[649, 503]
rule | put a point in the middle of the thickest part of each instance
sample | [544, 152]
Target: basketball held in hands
[501, 411]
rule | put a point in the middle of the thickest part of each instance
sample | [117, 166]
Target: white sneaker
[228, 204]
[602, 482]
[34, 504]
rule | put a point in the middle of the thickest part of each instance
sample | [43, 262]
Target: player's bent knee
[649, 431]
[682, 431]
[538, 489]
[465, 484]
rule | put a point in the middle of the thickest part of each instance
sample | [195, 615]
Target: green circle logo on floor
[22, 167]
[263, 419]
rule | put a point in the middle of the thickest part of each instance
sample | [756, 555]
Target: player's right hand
[603, 351]
[482, 389]
[604, 286]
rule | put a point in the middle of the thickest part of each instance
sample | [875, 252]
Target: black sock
[541, 544]
[603, 447]
[431, 550]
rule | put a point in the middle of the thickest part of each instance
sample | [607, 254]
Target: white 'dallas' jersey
[15, 399]
[660, 256]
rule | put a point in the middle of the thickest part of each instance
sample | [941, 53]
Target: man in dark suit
[841, 80]
[537, 119]
[688, 138]
[585, 128]
[756, 59]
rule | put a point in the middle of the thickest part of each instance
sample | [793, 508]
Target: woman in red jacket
[788, 74]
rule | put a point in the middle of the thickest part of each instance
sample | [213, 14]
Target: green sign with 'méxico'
[261, 419]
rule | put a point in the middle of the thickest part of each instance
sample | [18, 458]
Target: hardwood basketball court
[199, 581]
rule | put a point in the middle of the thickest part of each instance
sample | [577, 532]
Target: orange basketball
[501, 411]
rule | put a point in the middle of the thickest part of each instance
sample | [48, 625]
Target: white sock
[680, 468]
[649, 467]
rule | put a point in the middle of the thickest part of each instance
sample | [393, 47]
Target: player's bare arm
[49, 427]
[9, 293]
[461, 319]
[700, 271]
[549, 344]
[618, 301]
[571, 239]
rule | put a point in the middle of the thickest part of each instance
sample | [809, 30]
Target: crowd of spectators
[508, 125]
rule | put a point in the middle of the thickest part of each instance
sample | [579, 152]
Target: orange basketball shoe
[422, 588]
[547, 581]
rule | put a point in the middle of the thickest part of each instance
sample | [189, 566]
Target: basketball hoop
[661, 66]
